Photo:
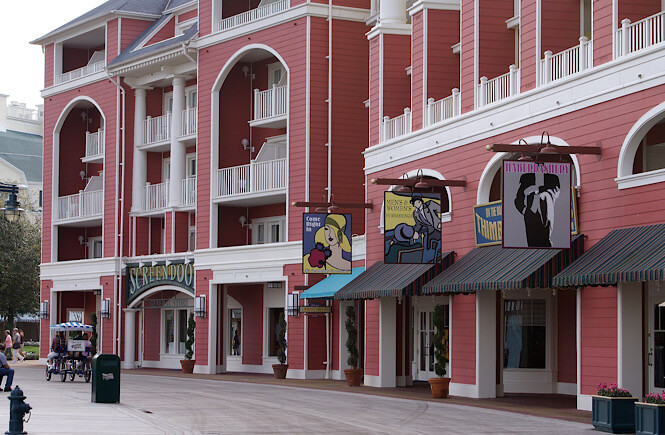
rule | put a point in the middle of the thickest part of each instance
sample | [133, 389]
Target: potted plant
[650, 414]
[93, 336]
[187, 364]
[440, 385]
[354, 374]
[613, 409]
[280, 369]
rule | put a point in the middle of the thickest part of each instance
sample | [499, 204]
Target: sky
[22, 71]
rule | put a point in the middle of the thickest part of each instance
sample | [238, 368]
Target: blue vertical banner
[326, 243]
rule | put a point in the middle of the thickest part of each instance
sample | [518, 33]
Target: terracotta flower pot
[439, 387]
[280, 370]
[353, 377]
[187, 365]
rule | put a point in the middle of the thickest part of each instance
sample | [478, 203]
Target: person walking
[8, 339]
[16, 346]
[5, 370]
[20, 332]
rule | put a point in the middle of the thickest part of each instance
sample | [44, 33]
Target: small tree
[93, 336]
[440, 342]
[351, 340]
[281, 339]
[191, 324]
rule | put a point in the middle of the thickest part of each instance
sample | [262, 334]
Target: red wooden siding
[602, 31]
[467, 53]
[202, 333]
[107, 283]
[496, 44]
[636, 10]
[599, 338]
[112, 49]
[131, 29]
[396, 83]
[372, 334]
[167, 31]
[374, 90]
[463, 339]
[566, 350]
[417, 69]
[560, 27]
[188, 15]
[443, 66]
[48, 65]
[296, 325]
[528, 55]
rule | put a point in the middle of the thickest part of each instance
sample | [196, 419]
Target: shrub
[281, 339]
[612, 390]
[440, 342]
[351, 345]
[191, 324]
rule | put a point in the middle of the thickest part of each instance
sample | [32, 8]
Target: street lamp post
[12, 209]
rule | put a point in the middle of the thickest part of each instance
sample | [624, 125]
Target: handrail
[567, 62]
[189, 121]
[189, 191]
[252, 15]
[81, 205]
[255, 177]
[498, 88]
[157, 129]
[80, 72]
[94, 143]
[395, 127]
[642, 34]
[445, 108]
[156, 196]
[270, 103]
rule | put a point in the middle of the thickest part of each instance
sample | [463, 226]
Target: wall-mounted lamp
[246, 70]
[81, 240]
[292, 308]
[245, 145]
[97, 292]
[243, 221]
[82, 174]
[43, 309]
[200, 306]
[106, 309]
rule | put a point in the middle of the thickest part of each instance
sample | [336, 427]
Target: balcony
[443, 109]
[90, 69]
[189, 122]
[256, 183]
[395, 127]
[252, 15]
[270, 107]
[566, 63]
[156, 196]
[94, 147]
[80, 206]
[640, 35]
[157, 129]
[498, 88]
[189, 192]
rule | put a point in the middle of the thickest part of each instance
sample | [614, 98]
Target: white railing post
[79, 212]
[513, 79]
[625, 37]
[482, 92]
[407, 121]
[583, 54]
[429, 113]
[457, 102]
[257, 105]
[273, 97]
[385, 126]
[252, 176]
[548, 66]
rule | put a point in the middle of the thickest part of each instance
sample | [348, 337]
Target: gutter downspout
[119, 235]
[329, 144]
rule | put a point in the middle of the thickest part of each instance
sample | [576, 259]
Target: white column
[178, 153]
[629, 337]
[486, 343]
[213, 316]
[387, 342]
[392, 11]
[140, 165]
[130, 331]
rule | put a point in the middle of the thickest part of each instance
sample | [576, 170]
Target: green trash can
[106, 378]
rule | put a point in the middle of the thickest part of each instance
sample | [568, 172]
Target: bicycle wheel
[87, 375]
[48, 373]
[63, 375]
[72, 375]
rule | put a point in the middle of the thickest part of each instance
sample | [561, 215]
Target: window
[650, 155]
[175, 331]
[268, 230]
[273, 330]
[235, 329]
[276, 74]
[191, 99]
[95, 247]
[191, 165]
[191, 246]
[166, 169]
[585, 21]
[525, 331]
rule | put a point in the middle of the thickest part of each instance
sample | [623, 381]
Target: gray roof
[153, 8]
[25, 151]
[131, 53]
[175, 4]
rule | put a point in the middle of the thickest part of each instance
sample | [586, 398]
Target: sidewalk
[541, 405]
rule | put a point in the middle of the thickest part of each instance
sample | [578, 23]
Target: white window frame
[176, 329]
[190, 91]
[189, 158]
[272, 67]
[233, 305]
[91, 247]
[266, 223]
[191, 235]
[166, 168]
[181, 27]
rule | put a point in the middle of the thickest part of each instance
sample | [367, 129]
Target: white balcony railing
[498, 88]
[445, 108]
[270, 103]
[189, 191]
[255, 177]
[81, 205]
[156, 196]
[395, 127]
[189, 121]
[81, 72]
[632, 37]
[94, 143]
[157, 129]
[252, 15]
[567, 62]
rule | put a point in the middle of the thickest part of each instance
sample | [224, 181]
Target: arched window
[642, 157]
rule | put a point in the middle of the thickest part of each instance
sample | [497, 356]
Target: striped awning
[498, 268]
[71, 326]
[624, 255]
[392, 280]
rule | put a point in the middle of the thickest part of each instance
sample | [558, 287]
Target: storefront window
[169, 331]
[525, 332]
[273, 330]
[175, 331]
[236, 331]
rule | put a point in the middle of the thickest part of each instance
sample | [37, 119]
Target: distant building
[21, 151]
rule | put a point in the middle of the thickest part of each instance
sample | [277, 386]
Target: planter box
[614, 414]
[649, 418]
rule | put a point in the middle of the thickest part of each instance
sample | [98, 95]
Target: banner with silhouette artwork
[326, 243]
[412, 228]
[536, 204]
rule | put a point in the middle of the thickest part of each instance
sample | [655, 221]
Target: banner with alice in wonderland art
[326, 243]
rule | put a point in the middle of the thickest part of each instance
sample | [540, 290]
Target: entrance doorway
[656, 341]
[423, 336]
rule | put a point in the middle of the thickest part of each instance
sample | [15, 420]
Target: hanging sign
[316, 310]
[536, 212]
[142, 278]
[326, 243]
[412, 228]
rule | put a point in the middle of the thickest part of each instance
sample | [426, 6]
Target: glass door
[425, 345]
[656, 353]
